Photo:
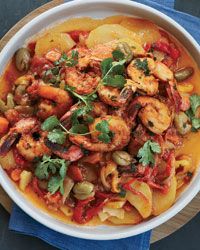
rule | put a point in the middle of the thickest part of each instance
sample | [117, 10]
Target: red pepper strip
[20, 161]
[74, 172]
[174, 97]
[76, 33]
[31, 47]
[39, 64]
[128, 187]
[91, 212]
[128, 207]
[169, 49]
[168, 168]
[80, 209]
[164, 189]
[147, 46]
[36, 188]
[102, 195]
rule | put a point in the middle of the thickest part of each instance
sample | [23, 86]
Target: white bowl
[98, 9]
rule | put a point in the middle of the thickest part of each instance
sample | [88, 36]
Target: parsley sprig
[146, 153]
[68, 61]
[49, 167]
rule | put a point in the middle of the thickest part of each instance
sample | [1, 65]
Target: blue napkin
[22, 223]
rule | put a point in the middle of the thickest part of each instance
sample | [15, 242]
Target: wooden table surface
[158, 233]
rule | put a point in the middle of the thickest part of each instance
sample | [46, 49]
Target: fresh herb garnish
[57, 136]
[191, 113]
[142, 65]
[146, 153]
[68, 61]
[50, 123]
[113, 71]
[105, 133]
[49, 166]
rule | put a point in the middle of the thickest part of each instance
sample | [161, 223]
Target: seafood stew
[99, 119]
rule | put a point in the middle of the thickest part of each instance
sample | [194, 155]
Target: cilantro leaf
[57, 136]
[44, 167]
[104, 138]
[50, 123]
[142, 65]
[106, 64]
[117, 81]
[194, 102]
[196, 123]
[118, 55]
[56, 183]
[105, 133]
[79, 129]
[146, 153]
[103, 127]
[48, 166]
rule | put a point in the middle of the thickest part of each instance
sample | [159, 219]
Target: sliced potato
[84, 24]
[141, 201]
[108, 32]
[62, 42]
[116, 212]
[67, 211]
[25, 179]
[145, 30]
[161, 202]
[130, 218]
[7, 161]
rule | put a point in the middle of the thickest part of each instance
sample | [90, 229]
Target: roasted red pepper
[20, 161]
[36, 188]
[74, 172]
[76, 33]
[39, 64]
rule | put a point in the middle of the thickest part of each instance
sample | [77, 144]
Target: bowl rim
[190, 192]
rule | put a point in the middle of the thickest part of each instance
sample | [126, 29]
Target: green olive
[183, 74]
[3, 106]
[182, 123]
[10, 101]
[126, 50]
[22, 59]
[84, 196]
[122, 158]
[83, 188]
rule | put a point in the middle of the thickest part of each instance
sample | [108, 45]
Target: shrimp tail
[8, 143]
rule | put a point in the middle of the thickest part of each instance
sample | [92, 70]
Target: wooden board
[160, 232]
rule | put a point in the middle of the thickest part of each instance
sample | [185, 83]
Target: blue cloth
[22, 223]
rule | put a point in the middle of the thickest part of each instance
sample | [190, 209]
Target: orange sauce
[191, 145]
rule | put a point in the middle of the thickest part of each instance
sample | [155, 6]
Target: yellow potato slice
[62, 42]
[142, 201]
[25, 179]
[130, 218]
[7, 161]
[108, 32]
[161, 202]
[84, 24]
[145, 30]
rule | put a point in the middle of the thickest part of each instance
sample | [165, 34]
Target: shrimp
[154, 114]
[120, 130]
[113, 96]
[55, 101]
[31, 146]
[83, 83]
[31, 139]
[145, 73]
[98, 109]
